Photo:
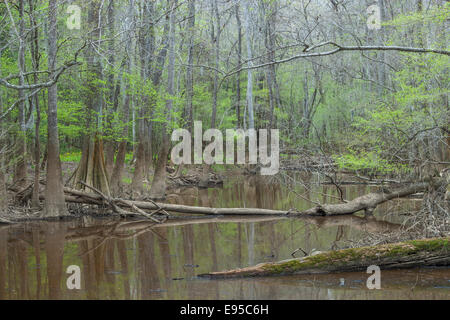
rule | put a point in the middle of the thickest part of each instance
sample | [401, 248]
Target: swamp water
[139, 260]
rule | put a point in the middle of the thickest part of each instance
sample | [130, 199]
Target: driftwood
[409, 254]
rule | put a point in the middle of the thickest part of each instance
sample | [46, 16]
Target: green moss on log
[335, 260]
[406, 254]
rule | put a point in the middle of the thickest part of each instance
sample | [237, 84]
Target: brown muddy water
[139, 260]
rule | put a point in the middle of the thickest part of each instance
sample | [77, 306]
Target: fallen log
[370, 201]
[409, 254]
[77, 196]
[367, 202]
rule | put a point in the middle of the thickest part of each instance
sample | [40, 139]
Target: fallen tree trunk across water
[409, 254]
[366, 202]
[370, 201]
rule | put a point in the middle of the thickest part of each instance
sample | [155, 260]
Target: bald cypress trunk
[113, 91]
[3, 144]
[238, 75]
[92, 169]
[154, 66]
[119, 166]
[20, 173]
[189, 112]
[3, 193]
[54, 194]
[215, 38]
[158, 189]
[37, 144]
[248, 34]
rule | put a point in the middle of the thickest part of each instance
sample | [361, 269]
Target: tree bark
[3, 144]
[37, 144]
[238, 75]
[215, 38]
[91, 169]
[158, 188]
[155, 69]
[55, 205]
[20, 173]
[247, 25]
[3, 191]
[189, 110]
[113, 90]
[119, 166]
[269, 41]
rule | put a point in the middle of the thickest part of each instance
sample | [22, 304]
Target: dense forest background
[364, 83]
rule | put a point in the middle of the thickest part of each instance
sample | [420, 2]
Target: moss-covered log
[414, 253]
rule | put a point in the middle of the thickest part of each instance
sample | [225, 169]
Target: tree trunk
[54, 194]
[155, 72]
[3, 191]
[116, 178]
[215, 38]
[37, 145]
[3, 144]
[158, 189]
[247, 25]
[20, 173]
[367, 202]
[238, 75]
[110, 145]
[269, 41]
[139, 168]
[189, 111]
[91, 169]
[110, 152]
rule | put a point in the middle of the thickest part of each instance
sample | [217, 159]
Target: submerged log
[409, 254]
